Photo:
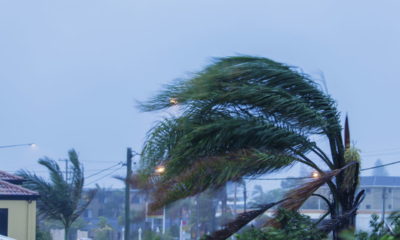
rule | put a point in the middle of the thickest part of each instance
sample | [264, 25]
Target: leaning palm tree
[61, 198]
[246, 116]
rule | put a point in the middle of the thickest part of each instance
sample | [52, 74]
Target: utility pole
[383, 203]
[127, 192]
[164, 220]
[66, 168]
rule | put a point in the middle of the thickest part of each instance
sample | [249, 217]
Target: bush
[295, 226]
[389, 230]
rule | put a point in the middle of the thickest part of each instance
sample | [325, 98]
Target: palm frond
[240, 221]
[214, 172]
[197, 140]
[253, 82]
[299, 195]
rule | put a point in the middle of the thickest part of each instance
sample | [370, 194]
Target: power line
[288, 178]
[378, 166]
[103, 170]
[98, 179]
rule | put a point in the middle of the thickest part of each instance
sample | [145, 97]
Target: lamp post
[32, 145]
[159, 170]
[129, 157]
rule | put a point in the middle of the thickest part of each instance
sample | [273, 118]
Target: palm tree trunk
[346, 198]
[66, 232]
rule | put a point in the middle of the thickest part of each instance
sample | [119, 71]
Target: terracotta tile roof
[9, 191]
[10, 177]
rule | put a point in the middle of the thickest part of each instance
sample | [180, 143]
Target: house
[17, 208]
[381, 198]
[108, 204]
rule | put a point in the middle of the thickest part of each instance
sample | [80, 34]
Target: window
[4, 221]
[389, 190]
[135, 199]
[368, 206]
[390, 206]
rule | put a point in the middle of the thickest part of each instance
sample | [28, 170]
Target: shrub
[295, 226]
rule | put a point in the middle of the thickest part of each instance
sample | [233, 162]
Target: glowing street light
[173, 101]
[315, 174]
[160, 169]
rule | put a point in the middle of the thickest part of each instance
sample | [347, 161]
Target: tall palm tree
[246, 116]
[259, 196]
[61, 199]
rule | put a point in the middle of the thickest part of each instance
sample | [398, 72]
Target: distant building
[17, 208]
[108, 203]
[382, 194]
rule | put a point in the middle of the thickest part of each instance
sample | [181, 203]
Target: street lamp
[160, 169]
[173, 101]
[315, 175]
[32, 145]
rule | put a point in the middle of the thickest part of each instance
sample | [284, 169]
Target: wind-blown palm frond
[256, 85]
[241, 220]
[160, 141]
[299, 195]
[215, 172]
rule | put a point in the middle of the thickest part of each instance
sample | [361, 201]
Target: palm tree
[61, 199]
[246, 116]
[259, 196]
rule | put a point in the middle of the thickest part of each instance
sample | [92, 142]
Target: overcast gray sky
[70, 71]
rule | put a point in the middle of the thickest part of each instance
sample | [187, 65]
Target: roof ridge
[20, 188]
[13, 176]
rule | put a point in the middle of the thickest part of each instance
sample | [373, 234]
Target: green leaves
[214, 172]
[294, 227]
[256, 86]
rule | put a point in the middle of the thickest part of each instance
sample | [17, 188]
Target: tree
[379, 230]
[380, 171]
[259, 196]
[104, 230]
[60, 198]
[246, 116]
